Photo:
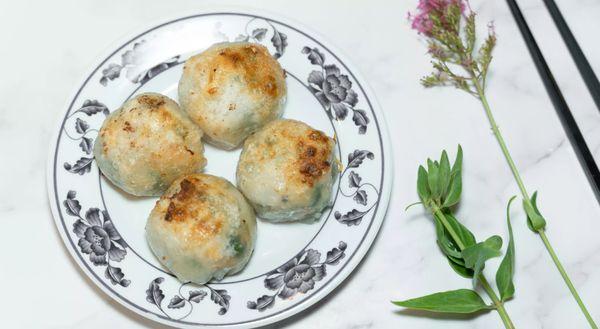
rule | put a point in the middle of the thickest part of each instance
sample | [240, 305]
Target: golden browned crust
[178, 209]
[313, 153]
[111, 134]
[258, 73]
[189, 209]
[187, 189]
[176, 151]
[151, 101]
[232, 89]
[143, 154]
[286, 170]
[202, 227]
[127, 127]
[309, 150]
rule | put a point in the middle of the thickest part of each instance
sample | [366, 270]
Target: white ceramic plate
[307, 261]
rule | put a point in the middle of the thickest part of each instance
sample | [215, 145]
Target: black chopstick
[586, 160]
[586, 71]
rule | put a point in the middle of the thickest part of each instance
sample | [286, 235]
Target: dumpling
[148, 143]
[232, 89]
[202, 228]
[287, 171]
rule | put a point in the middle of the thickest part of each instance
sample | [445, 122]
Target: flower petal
[320, 272]
[97, 249]
[105, 215]
[308, 274]
[306, 286]
[287, 292]
[322, 99]
[112, 71]
[93, 217]
[331, 70]
[89, 234]
[115, 253]
[316, 78]
[294, 283]
[331, 81]
[301, 268]
[351, 98]
[127, 58]
[274, 283]
[345, 82]
[98, 259]
[287, 276]
[99, 232]
[105, 244]
[85, 245]
[288, 266]
[312, 257]
[79, 228]
[110, 230]
[122, 243]
[340, 110]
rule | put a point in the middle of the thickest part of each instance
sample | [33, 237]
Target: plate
[293, 265]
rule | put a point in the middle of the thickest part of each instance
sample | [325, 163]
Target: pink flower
[421, 21]
[491, 28]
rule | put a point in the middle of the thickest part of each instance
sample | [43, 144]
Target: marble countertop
[48, 45]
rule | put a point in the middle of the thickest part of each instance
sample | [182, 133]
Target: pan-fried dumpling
[232, 89]
[287, 170]
[148, 143]
[202, 228]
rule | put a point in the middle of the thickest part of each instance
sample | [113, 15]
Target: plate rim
[387, 162]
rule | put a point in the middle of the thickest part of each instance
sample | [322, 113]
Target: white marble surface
[47, 46]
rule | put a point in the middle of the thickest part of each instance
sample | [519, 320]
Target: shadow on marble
[439, 316]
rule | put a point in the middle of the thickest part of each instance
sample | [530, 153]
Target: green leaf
[444, 179]
[457, 166]
[455, 301]
[476, 255]
[535, 207]
[535, 220]
[529, 224]
[445, 242]
[422, 185]
[461, 269]
[456, 181]
[453, 195]
[449, 246]
[494, 242]
[466, 236]
[433, 178]
[506, 270]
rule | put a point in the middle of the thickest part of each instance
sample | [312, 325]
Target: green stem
[501, 141]
[498, 304]
[526, 199]
[567, 280]
[439, 214]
